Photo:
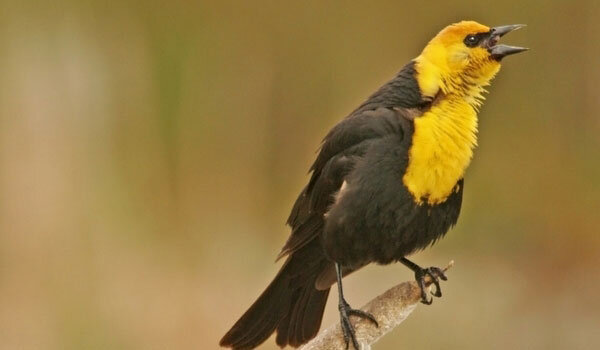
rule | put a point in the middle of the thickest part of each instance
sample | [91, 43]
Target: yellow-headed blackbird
[387, 181]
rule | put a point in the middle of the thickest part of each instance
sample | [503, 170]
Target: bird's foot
[435, 273]
[347, 328]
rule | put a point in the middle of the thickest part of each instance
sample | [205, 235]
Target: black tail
[291, 305]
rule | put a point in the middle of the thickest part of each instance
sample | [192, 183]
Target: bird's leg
[346, 311]
[434, 272]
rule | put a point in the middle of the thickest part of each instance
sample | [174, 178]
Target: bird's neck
[436, 76]
[444, 137]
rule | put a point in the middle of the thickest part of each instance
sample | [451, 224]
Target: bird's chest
[441, 150]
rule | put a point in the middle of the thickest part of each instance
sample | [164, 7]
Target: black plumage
[387, 182]
[355, 210]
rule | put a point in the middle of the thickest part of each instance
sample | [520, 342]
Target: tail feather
[306, 318]
[291, 305]
[283, 331]
[314, 314]
[295, 335]
[260, 321]
[294, 331]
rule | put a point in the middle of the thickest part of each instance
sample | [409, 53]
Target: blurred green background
[150, 152]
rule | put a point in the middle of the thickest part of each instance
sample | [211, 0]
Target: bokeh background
[150, 152]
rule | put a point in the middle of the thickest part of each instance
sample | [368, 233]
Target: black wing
[386, 112]
[343, 146]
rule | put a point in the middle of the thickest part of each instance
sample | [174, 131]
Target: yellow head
[462, 58]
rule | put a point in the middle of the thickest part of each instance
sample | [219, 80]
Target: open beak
[499, 51]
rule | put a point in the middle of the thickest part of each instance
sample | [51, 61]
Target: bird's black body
[376, 219]
[387, 182]
[355, 210]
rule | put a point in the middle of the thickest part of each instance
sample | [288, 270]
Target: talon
[348, 332]
[347, 328]
[437, 272]
[436, 283]
[436, 275]
[420, 277]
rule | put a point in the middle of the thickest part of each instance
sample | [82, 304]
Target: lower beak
[500, 51]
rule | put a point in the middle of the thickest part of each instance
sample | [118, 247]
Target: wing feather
[345, 144]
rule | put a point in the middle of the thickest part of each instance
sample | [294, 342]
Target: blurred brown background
[150, 153]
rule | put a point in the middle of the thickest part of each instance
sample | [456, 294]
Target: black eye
[471, 40]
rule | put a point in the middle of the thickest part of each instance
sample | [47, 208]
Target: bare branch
[389, 308]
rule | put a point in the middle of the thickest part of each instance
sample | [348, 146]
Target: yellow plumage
[442, 149]
[445, 135]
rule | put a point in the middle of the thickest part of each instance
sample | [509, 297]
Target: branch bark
[390, 309]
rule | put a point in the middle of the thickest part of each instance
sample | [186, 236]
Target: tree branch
[389, 309]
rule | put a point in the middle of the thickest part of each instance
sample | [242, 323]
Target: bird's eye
[471, 40]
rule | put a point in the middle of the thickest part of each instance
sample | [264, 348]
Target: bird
[387, 182]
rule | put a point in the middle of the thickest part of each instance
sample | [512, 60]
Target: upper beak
[501, 30]
[500, 51]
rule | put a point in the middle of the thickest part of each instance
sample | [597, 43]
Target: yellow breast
[441, 150]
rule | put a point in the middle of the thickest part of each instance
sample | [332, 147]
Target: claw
[420, 277]
[436, 275]
[347, 328]
[436, 272]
